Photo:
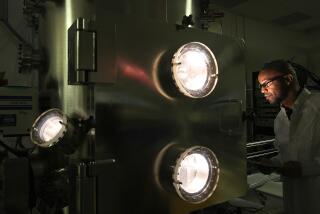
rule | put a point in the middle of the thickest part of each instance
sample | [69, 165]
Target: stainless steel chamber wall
[142, 120]
[142, 113]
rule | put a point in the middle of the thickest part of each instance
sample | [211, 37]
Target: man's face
[273, 87]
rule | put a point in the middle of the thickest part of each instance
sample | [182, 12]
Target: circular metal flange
[195, 70]
[196, 174]
[49, 128]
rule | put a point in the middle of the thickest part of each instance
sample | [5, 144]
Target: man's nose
[263, 90]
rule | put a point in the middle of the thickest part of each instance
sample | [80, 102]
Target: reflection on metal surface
[155, 74]
[158, 165]
[196, 174]
[195, 70]
[188, 7]
[49, 128]
[133, 71]
[68, 13]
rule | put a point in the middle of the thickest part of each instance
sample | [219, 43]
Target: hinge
[82, 47]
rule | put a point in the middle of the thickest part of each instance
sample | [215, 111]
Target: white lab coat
[298, 139]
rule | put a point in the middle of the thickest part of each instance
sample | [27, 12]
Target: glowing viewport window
[49, 128]
[195, 70]
[193, 173]
[196, 174]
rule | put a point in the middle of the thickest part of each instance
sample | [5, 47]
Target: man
[297, 133]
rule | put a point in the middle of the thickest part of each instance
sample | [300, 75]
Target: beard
[272, 99]
[278, 96]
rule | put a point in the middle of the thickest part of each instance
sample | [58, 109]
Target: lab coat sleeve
[276, 160]
[312, 168]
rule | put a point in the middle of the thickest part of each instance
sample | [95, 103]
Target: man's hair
[279, 65]
[282, 66]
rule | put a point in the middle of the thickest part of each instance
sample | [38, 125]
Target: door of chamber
[179, 146]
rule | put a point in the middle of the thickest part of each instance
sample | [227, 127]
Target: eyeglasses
[267, 83]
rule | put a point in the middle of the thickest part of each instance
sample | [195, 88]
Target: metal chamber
[140, 115]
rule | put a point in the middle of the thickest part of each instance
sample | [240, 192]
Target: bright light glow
[196, 174]
[193, 173]
[155, 73]
[51, 128]
[68, 93]
[195, 70]
[188, 7]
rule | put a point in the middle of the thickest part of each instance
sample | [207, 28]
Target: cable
[13, 151]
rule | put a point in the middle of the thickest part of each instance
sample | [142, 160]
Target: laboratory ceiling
[296, 15]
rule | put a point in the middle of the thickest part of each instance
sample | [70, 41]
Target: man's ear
[289, 79]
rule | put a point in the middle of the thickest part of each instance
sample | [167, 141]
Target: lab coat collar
[301, 99]
[298, 102]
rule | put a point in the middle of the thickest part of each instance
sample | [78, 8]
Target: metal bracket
[83, 180]
[81, 51]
